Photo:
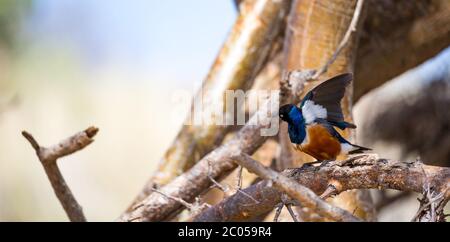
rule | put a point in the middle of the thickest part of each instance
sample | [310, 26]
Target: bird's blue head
[296, 124]
[290, 113]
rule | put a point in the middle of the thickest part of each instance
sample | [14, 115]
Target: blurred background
[66, 65]
[69, 64]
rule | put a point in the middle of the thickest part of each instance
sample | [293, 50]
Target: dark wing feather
[329, 95]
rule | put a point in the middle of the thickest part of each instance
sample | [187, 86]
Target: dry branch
[351, 29]
[321, 32]
[361, 172]
[397, 36]
[242, 57]
[217, 163]
[305, 196]
[431, 206]
[48, 157]
[193, 182]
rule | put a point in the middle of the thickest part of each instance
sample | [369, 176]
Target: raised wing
[324, 101]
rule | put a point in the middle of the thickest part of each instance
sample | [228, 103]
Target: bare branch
[226, 188]
[432, 204]
[48, 157]
[292, 213]
[184, 203]
[194, 208]
[302, 194]
[306, 48]
[243, 55]
[218, 163]
[360, 172]
[194, 181]
[345, 39]
[279, 207]
[239, 177]
[330, 191]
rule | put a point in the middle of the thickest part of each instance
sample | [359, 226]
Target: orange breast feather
[320, 143]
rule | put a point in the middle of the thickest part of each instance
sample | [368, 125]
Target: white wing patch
[311, 111]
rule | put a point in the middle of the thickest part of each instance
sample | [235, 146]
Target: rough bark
[303, 195]
[361, 172]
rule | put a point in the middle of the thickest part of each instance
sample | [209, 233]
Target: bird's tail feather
[359, 149]
[342, 125]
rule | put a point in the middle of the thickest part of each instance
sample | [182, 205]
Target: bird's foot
[308, 164]
[324, 163]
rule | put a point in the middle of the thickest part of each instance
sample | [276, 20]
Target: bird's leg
[324, 163]
[321, 162]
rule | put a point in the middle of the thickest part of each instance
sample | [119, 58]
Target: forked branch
[48, 157]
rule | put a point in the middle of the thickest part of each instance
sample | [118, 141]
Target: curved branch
[361, 172]
[302, 194]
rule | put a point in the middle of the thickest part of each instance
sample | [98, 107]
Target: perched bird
[311, 126]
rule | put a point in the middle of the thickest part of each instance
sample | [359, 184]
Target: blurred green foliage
[11, 13]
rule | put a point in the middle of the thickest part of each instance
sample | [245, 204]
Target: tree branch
[48, 157]
[351, 28]
[217, 164]
[194, 181]
[302, 194]
[360, 172]
[241, 58]
[307, 47]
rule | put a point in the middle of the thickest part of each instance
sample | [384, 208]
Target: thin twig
[184, 203]
[292, 213]
[226, 189]
[330, 191]
[239, 177]
[278, 212]
[428, 206]
[48, 157]
[194, 208]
